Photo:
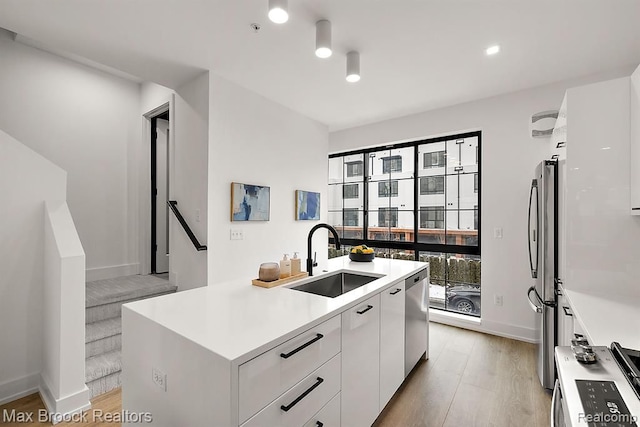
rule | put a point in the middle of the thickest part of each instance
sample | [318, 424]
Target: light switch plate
[237, 234]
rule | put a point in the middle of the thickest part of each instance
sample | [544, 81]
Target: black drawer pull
[302, 347]
[302, 396]
[369, 307]
[565, 308]
[396, 291]
[319, 424]
[416, 279]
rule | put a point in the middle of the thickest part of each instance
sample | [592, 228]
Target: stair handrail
[174, 207]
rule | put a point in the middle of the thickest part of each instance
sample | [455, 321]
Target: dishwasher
[416, 333]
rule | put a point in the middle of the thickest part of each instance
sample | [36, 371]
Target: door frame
[145, 205]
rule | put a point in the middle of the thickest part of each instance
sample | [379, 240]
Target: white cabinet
[565, 320]
[267, 376]
[295, 407]
[361, 363]
[558, 140]
[635, 143]
[329, 416]
[391, 341]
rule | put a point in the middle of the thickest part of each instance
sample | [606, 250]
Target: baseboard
[111, 272]
[64, 408]
[488, 327]
[21, 387]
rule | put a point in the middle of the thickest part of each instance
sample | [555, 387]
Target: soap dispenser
[285, 267]
[295, 264]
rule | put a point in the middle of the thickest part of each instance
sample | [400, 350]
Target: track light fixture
[323, 39]
[278, 11]
[353, 66]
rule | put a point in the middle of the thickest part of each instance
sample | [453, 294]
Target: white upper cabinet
[635, 143]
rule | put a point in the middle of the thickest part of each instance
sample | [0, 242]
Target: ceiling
[416, 55]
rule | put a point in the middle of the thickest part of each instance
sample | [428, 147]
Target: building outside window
[350, 191]
[432, 217]
[391, 164]
[431, 214]
[351, 217]
[388, 189]
[355, 168]
[435, 159]
[432, 185]
[387, 217]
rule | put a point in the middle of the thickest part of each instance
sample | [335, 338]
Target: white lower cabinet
[361, 364]
[391, 341]
[298, 405]
[329, 416]
[267, 376]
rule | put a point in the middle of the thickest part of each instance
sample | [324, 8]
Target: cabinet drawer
[329, 416]
[267, 376]
[302, 401]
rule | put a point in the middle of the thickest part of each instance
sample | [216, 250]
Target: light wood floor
[470, 379]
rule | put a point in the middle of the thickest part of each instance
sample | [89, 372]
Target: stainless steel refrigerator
[543, 260]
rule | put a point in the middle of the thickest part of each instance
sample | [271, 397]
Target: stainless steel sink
[335, 284]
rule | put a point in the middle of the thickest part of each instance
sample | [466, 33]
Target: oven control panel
[603, 405]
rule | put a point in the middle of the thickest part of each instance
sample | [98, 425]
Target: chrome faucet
[312, 262]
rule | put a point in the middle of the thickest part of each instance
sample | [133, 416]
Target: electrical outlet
[197, 215]
[159, 378]
[497, 233]
[497, 300]
[237, 234]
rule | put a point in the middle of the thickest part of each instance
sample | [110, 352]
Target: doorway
[160, 193]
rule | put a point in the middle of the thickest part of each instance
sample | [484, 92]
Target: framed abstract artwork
[250, 202]
[307, 205]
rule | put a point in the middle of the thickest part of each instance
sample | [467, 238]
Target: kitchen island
[225, 354]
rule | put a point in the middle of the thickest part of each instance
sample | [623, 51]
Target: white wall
[253, 140]
[509, 156]
[63, 387]
[26, 180]
[188, 181]
[602, 236]
[85, 121]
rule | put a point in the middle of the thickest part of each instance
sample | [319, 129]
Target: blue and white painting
[249, 202]
[307, 205]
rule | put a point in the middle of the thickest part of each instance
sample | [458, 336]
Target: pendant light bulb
[353, 67]
[323, 39]
[278, 11]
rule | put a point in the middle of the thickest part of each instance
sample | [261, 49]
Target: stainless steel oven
[605, 391]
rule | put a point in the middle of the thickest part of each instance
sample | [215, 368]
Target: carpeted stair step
[104, 298]
[102, 373]
[103, 337]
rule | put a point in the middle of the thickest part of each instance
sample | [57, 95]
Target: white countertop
[238, 321]
[607, 317]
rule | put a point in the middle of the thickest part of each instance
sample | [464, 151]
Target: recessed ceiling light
[278, 11]
[606, 148]
[492, 50]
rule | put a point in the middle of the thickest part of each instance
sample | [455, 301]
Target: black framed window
[350, 191]
[435, 159]
[412, 216]
[350, 217]
[355, 169]
[387, 217]
[388, 189]
[432, 185]
[391, 164]
[432, 217]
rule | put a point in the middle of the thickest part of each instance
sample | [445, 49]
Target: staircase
[103, 343]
